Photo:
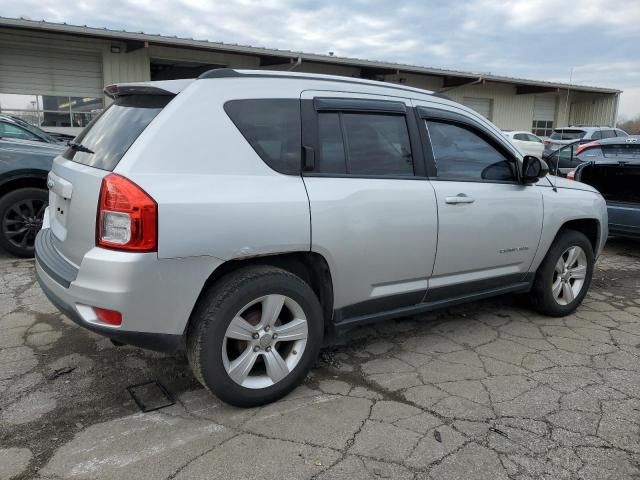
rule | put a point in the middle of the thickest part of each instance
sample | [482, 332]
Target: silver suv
[242, 215]
[579, 134]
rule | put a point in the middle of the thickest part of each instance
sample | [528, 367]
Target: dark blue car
[26, 155]
[613, 167]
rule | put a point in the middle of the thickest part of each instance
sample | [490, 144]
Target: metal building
[53, 74]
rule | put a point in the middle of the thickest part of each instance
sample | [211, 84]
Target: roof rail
[232, 73]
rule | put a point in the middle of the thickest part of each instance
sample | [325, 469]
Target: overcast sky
[538, 39]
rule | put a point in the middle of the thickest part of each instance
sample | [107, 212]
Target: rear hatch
[619, 183]
[76, 177]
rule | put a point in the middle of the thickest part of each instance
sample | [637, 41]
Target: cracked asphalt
[488, 390]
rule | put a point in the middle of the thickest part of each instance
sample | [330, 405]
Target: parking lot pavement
[487, 390]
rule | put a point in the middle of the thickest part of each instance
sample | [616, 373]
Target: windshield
[567, 134]
[33, 129]
[106, 139]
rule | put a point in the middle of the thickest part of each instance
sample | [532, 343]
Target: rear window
[621, 150]
[567, 134]
[272, 128]
[111, 134]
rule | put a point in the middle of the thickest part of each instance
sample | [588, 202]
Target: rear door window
[107, 138]
[608, 134]
[272, 128]
[367, 144]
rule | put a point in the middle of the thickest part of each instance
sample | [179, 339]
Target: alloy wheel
[569, 275]
[22, 222]
[265, 341]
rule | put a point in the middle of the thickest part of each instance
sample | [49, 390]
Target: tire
[216, 348]
[21, 211]
[558, 301]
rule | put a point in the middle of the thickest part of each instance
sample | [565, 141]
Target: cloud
[539, 39]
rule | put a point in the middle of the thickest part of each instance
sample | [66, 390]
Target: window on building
[51, 110]
[542, 128]
[461, 154]
[272, 128]
[376, 144]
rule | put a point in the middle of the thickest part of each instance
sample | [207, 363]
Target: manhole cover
[150, 396]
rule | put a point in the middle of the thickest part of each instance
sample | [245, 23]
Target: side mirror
[533, 169]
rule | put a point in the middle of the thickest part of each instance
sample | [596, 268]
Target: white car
[526, 142]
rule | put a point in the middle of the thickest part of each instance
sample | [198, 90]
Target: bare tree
[632, 127]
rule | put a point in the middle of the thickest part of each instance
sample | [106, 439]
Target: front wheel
[255, 335]
[564, 276]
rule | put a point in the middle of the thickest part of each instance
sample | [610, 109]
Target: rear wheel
[21, 214]
[565, 274]
[255, 335]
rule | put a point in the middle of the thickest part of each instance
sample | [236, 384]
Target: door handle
[460, 198]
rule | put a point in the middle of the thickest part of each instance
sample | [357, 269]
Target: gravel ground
[489, 390]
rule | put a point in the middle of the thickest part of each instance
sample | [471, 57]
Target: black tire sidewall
[6, 202]
[544, 277]
[217, 318]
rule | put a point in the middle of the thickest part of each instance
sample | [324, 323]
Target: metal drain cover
[150, 396]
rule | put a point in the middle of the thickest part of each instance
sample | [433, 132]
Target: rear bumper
[155, 296]
[624, 219]
[152, 341]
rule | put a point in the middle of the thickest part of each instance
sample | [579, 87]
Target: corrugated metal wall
[32, 64]
[594, 111]
[510, 111]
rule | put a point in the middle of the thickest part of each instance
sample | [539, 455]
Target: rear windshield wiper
[79, 147]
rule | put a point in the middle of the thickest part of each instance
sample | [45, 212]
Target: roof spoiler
[163, 87]
[116, 90]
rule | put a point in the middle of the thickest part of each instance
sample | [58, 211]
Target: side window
[533, 138]
[364, 144]
[461, 154]
[621, 133]
[521, 136]
[8, 130]
[332, 156]
[597, 135]
[608, 134]
[272, 128]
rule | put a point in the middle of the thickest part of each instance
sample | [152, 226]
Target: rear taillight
[127, 216]
[584, 146]
[571, 175]
[547, 142]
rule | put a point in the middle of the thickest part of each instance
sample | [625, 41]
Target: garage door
[29, 70]
[480, 105]
[544, 108]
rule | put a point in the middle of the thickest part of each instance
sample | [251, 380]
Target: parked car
[613, 167]
[564, 136]
[49, 137]
[527, 143]
[26, 156]
[243, 214]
